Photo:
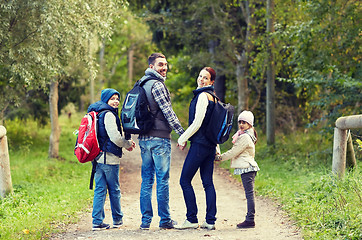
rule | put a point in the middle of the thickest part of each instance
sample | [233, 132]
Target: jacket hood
[101, 106]
[152, 74]
[202, 89]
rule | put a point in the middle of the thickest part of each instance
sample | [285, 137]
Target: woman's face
[114, 101]
[204, 79]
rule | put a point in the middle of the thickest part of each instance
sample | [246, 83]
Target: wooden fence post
[340, 143]
[339, 151]
[6, 186]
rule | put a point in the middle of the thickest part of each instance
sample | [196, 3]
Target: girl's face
[114, 101]
[243, 126]
[204, 79]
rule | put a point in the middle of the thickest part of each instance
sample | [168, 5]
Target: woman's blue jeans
[106, 177]
[199, 156]
[156, 160]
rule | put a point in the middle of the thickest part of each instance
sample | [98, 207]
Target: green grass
[297, 173]
[47, 192]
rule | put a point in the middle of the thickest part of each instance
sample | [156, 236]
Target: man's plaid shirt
[162, 98]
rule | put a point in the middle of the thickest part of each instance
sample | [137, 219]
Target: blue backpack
[221, 121]
[136, 115]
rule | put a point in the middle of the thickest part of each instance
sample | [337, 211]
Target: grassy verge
[297, 173]
[47, 192]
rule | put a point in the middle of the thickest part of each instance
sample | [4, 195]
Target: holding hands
[132, 147]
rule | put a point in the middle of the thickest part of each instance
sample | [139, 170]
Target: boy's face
[160, 66]
[114, 101]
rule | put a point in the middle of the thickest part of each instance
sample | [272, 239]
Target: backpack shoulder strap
[216, 99]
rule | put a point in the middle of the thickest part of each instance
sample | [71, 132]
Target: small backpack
[136, 114]
[221, 121]
[87, 147]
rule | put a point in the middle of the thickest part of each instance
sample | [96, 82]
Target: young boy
[111, 143]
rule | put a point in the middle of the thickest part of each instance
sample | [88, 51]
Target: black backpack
[221, 120]
[136, 115]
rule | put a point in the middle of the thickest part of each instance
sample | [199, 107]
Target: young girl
[242, 159]
[107, 163]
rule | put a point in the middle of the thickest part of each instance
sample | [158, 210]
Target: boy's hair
[153, 56]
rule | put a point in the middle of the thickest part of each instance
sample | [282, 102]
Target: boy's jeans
[106, 177]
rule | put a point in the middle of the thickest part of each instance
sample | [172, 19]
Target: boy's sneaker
[170, 225]
[207, 226]
[145, 226]
[100, 227]
[246, 224]
[187, 225]
[117, 225]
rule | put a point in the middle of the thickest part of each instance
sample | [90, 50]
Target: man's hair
[153, 56]
[211, 71]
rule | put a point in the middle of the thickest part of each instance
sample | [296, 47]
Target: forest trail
[271, 222]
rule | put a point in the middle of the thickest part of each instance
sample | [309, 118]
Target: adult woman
[201, 154]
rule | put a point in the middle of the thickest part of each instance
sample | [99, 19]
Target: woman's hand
[182, 147]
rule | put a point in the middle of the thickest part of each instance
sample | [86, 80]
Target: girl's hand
[218, 157]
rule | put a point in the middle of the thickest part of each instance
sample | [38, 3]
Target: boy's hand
[132, 147]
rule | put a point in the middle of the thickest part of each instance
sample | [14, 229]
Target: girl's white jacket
[242, 153]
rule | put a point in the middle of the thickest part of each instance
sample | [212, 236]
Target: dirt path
[231, 209]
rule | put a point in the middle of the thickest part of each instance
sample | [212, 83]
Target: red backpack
[87, 147]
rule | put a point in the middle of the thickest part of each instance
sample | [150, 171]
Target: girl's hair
[211, 71]
[256, 135]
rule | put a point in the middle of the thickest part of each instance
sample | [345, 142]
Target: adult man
[156, 144]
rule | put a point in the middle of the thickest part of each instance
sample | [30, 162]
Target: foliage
[40, 205]
[40, 39]
[322, 55]
[130, 34]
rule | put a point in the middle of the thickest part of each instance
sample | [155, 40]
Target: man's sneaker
[207, 226]
[145, 226]
[100, 227]
[246, 224]
[117, 225]
[170, 225]
[187, 225]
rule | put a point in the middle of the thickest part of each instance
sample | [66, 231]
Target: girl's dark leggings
[248, 180]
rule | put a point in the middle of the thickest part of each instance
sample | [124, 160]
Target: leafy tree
[322, 47]
[40, 39]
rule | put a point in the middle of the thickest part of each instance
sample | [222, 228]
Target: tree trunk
[102, 63]
[219, 84]
[242, 66]
[270, 95]
[54, 120]
[242, 83]
[130, 65]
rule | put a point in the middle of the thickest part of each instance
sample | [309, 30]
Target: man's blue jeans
[156, 159]
[106, 177]
[199, 156]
